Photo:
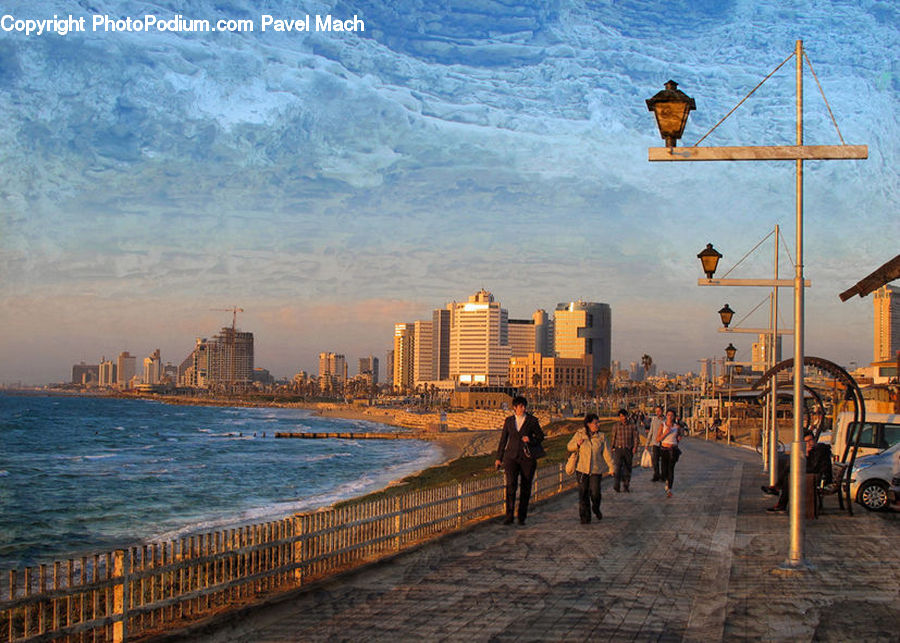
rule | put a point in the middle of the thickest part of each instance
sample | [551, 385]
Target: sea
[81, 475]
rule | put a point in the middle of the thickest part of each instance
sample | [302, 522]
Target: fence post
[459, 504]
[120, 593]
[398, 523]
[298, 549]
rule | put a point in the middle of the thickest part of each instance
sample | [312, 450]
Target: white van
[880, 431]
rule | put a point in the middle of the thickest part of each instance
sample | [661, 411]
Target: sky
[334, 183]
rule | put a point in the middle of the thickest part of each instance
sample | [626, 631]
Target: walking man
[520, 443]
[624, 444]
[658, 420]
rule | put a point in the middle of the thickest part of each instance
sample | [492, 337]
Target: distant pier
[366, 435]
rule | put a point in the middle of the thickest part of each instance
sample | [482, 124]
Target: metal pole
[798, 457]
[772, 359]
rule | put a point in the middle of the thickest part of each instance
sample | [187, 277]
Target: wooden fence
[134, 593]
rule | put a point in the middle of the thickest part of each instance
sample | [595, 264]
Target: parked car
[872, 479]
[879, 432]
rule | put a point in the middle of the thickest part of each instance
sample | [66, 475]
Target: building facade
[106, 372]
[85, 374]
[761, 350]
[368, 366]
[584, 328]
[152, 368]
[423, 349]
[332, 371]
[125, 369]
[440, 343]
[550, 373]
[404, 356]
[886, 301]
[479, 341]
[231, 358]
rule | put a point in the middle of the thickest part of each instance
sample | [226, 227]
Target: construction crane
[234, 310]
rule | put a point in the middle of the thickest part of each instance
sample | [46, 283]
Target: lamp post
[797, 153]
[725, 314]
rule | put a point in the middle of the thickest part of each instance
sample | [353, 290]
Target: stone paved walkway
[696, 567]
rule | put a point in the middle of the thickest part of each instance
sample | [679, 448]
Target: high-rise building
[153, 368]
[522, 337]
[404, 356]
[584, 328]
[106, 372]
[194, 370]
[887, 323]
[231, 358]
[761, 349]
[332, 371]
[389, 367]
[479, 341]
[85, 374]
[125, 368]
[369, 366]
[423, 349]
[440, 343]
[543, 333]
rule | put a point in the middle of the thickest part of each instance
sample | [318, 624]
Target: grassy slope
[479, 466]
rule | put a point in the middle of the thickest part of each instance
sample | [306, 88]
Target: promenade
[697, 567]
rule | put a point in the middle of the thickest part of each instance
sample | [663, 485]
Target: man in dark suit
[520, 445]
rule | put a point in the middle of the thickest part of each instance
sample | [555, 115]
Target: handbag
[646, 459]
[571, 463]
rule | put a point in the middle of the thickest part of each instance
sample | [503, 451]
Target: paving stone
[696, 567]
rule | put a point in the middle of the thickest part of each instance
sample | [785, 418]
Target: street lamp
[709, 257]
[662, 106]
[730, 350]
[725, 314]
[671, 107]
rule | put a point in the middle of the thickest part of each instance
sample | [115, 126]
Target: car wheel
[873, 495]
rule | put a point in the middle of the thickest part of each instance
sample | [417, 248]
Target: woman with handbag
[669, 436]
[593, 461]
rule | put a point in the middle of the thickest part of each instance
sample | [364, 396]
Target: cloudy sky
[331, 184]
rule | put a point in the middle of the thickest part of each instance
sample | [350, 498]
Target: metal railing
[134, 593]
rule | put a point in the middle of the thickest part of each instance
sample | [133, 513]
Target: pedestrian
[624, 444]
[519, 448]
[655, 424]
[593, 461]
[668, 437]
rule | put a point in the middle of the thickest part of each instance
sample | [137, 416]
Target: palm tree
[646, 362]
[536, 381]
[602, 382]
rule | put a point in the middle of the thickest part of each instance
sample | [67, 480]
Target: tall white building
[584, 328]
[152, 368]
[887, 323]
[107, 371]
[479, 341]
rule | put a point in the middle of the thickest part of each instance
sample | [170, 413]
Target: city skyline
[332, 184]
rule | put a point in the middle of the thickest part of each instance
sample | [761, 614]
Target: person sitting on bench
[818, 461]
